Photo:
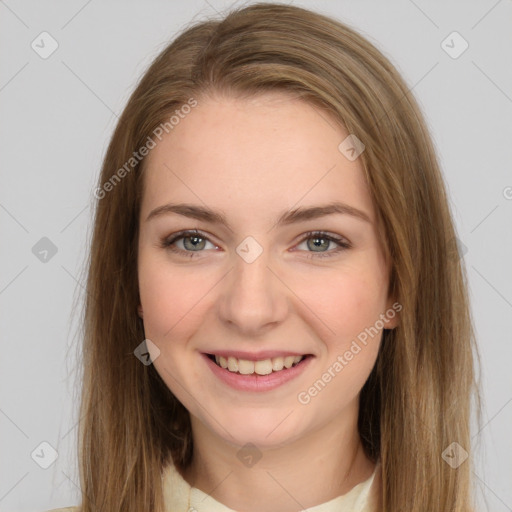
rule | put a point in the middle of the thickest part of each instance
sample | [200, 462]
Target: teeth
[245, 367]
[264, 367]
[277, 363]
[232, 364]
[288, 361]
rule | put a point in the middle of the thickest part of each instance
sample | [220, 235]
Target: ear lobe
[391, 323]
[392, 315]
[140, 312]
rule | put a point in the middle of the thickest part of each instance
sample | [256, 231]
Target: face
[259, 285]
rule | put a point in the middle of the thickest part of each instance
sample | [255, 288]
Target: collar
[177, 491]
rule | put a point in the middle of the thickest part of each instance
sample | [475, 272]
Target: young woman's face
[258, 287]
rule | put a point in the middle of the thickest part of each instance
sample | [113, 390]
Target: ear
[140, 312]
[392, 314]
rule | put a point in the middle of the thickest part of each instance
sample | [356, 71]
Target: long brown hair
[417, 400]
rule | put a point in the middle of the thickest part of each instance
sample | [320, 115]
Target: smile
[257, 375]
[261, 367]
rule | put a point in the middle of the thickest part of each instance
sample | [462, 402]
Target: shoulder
[375, 494]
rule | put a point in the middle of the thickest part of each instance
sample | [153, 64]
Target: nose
[253, 298]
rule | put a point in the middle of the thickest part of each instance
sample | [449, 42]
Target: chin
[266, 429]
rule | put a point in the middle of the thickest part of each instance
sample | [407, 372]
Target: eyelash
[167, 243]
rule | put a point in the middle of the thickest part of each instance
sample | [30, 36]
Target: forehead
[271, 149]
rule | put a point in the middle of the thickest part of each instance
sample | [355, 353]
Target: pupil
[317, 240]
[194, 240]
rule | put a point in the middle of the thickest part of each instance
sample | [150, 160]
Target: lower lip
[257, 382]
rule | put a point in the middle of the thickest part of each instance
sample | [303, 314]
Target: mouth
[260, 367]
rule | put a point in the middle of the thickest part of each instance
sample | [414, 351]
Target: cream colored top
[176, 495]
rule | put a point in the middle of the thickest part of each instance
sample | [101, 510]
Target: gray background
[57, 117]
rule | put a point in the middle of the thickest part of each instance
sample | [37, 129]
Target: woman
[276, 315]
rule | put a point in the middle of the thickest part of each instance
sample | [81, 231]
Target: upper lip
[255, 356]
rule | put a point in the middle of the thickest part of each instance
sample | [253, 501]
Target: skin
[253, 159]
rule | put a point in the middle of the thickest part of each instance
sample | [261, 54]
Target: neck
[314, 469]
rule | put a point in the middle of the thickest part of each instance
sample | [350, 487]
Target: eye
[321, 240]
[192, 241]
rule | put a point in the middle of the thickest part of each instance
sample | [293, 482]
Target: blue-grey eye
[318, 242]
[196, 242]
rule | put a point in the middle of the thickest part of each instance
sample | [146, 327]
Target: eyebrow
[286, 218]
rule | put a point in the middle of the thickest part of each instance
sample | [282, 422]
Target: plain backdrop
[57, 115]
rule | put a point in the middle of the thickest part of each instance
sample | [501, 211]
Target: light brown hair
[417, 400]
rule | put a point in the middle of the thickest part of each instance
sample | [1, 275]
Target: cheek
[348, 302]
[348, 308]
[352, 311]
[170, 300]
[172, 307]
